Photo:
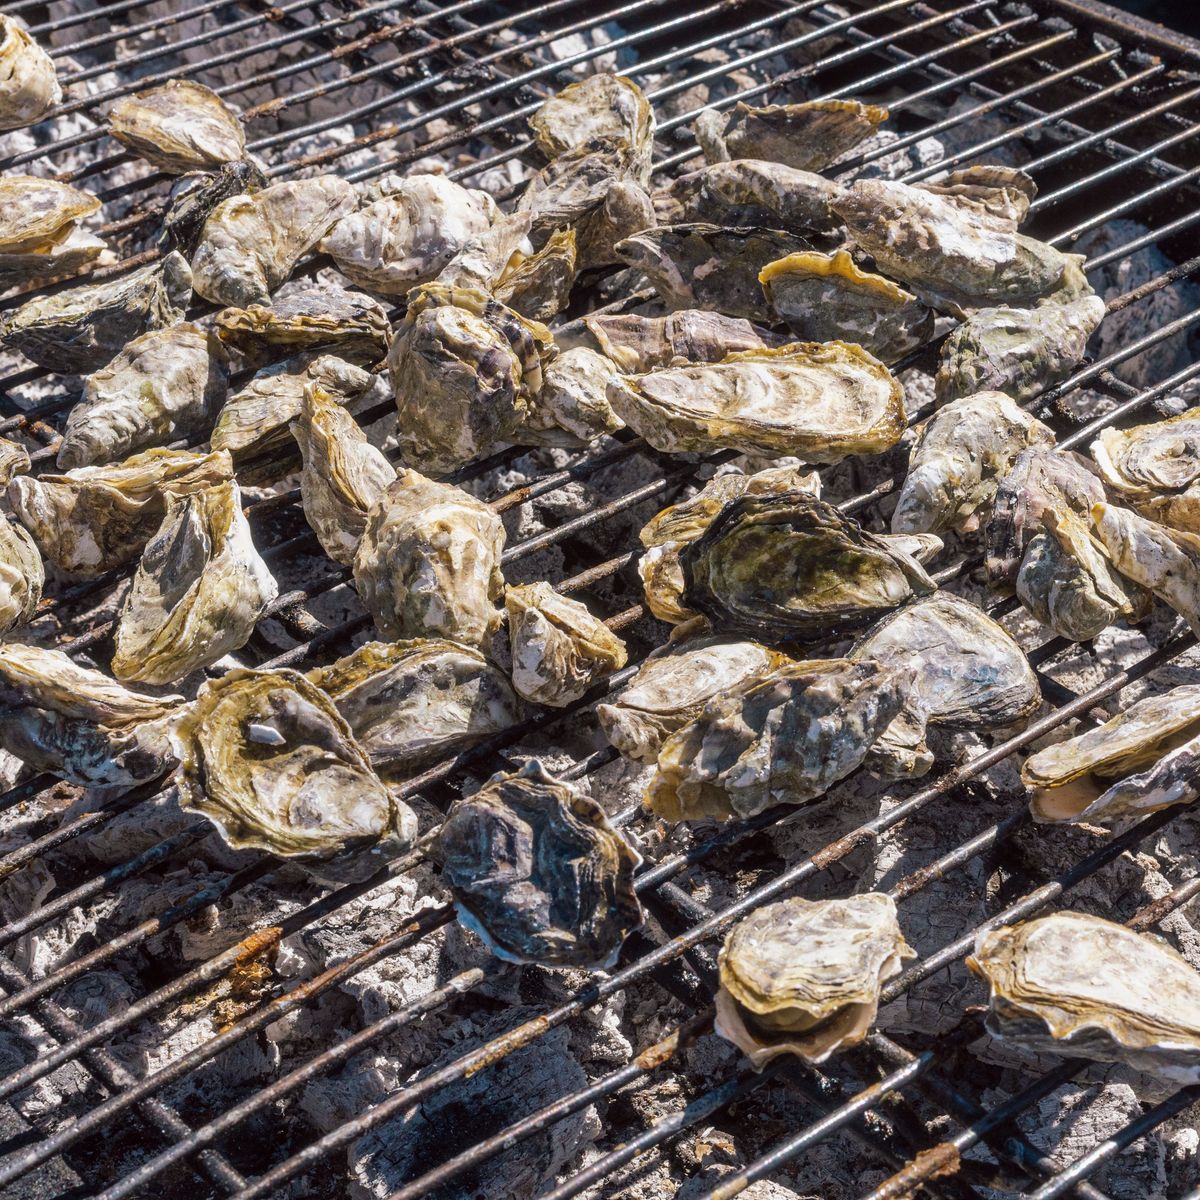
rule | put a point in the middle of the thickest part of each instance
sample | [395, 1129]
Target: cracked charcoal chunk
[28, 84]
[179, 126]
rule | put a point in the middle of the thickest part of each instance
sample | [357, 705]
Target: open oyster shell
[1049, 993]
[819, 401]
[428, 564]
[803, 976]
[483, 259]
[82, 328]
[269, 760]
[22, 575]
[572, 408]
[786, 740]
[411, 702]
[961, 454]
[179, 126]
[637, 344]
[559, 650]
[1004, 192]
[251, 243]
[28, 84]
[539, 873]
[823, 297]
[194, 196]
[538, 286]
[343, 474]
[164, 385]
[198, 591]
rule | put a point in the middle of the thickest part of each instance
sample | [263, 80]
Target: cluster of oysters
[786, 299]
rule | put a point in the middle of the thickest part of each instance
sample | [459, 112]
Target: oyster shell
[1047, 993]
[194, 196]
[408, 232]
[559, 650]
[803, 976]
[638, 344]
[198, 591]
[22, 575]
[1005, 192]
[967, 674]
[428, 564]
[817, 401]
[95, 519]
[572, 408]
[82, 328]
[28, 84]
[575, 184]
[412, 702]
[179, 126]
[785, 740]
[53, 260]
[822, 297]
[484, 258]
[164, 385]
[343, 474]
[14, 461]
[37, 214]
[269, 760]
[539, 873]
[539, 286]
[710, 266]
[626, 210]
[251, 243]
[793, 567]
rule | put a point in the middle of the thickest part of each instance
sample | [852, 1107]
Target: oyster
[559, 650]
[428, 564]
[411, 702]
[793, 567]
[80, 329]
[1017, 351]
[968, 674]
[822, 297]
[21, 575]
[785, 740]
[539, 873]
[14, 461]
[343, 474]
[484, 258]
[1005, 192]
[572, 408]
[179, 126]
[198, 591]
[817, 401]
[626, 210]
[164, 385]
[1047, 993]
[408, 232]
[539, 286]
[638, 344]
[194, 196]
[28, 84]
[803, 976]
[95, 519]
[251, 243]
[576, 184]
[710, 266]
[269, 760]
[958, 459]
[38, 229]
[53, 260]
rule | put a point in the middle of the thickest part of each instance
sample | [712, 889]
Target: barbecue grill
[1104, 110]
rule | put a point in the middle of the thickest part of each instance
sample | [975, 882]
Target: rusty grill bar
[1113, 114]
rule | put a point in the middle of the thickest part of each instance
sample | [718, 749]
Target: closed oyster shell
[428, 564]
[803, 976]
[818, 401]
[1075, 984]
[409, 233]
[637, 344]
[785, 740]
[268, 759]
[626, 210]
[252, 243]
[14, 461]
[179, 126]
[80, 329]
[194, 196]
[412, 702]
[53, 260]
[1005, 192]
[36, 214]
[572, 408]
[28, 84]
[539, 873]
[22, 575]
[343, 476]
[822, 297]
[807, 136]
[574, 184]
[198, 591]
[164, 385]
[539, 286]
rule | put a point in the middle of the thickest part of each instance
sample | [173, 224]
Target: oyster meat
[637, 344]
[538, 286]
[428, 564]
[803, 976]
[179, 126]
[1050, 994]
[572, 408]
[412, 702]
[539, 873]
[198, 591]
[39, 234]
[22, 575]
[194, 196]
[818, 401]
[1004, 192]
[268, 759]
[28, 84]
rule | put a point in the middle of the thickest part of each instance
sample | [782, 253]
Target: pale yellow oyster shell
[54, 261]
[14, 461]
[803, 977]
[559, 649]
[198, 591]
[22, 575]
[267, 758]
[179, 126]
[28, 84]
[538, 286]
[39, 233]
[1077, 985]
[343, 474]
[572, 408]
[428, 564]
[1005, 192]
[637, 344]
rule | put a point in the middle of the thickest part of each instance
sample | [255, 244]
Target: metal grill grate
[1111, 115]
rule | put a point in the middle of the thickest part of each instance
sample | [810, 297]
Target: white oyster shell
[22, 575]
[28, 84]
[179, 126]
[572, 408]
